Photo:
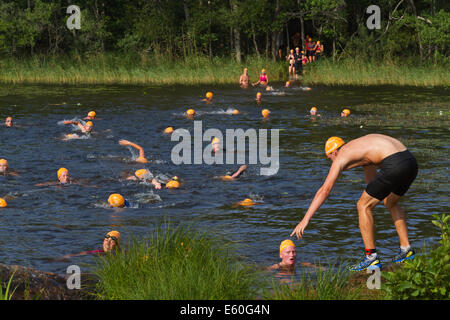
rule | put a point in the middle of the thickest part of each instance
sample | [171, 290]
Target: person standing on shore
[244, 80]
[398, 170]
[298, 66]
[263, 79]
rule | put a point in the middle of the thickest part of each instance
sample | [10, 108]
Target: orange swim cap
[215, 140]
[115, 200]
[265, 113]
[226, 178]
[3, 203]
[209, 95]
[332, 144]
[235, 111]
[173, 184]
[286, 243]
[115, 234]
[89, 124]
[247, 202]
[92, 114]
[259, 94]
[313, 109]
[168, 130]
[190, 112]
[60, 171]
[3, 161]
[346, 112]
[142, 173]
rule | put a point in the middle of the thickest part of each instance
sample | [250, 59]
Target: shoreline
[116, 69]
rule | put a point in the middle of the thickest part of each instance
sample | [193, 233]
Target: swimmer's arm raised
[320, 197]
[136, 146]
[240, 170]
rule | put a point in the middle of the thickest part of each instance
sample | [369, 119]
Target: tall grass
[121, 68]
[330, 283]
[175, 264]
[7, 295]
[361, 72]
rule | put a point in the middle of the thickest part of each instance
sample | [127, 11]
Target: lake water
[41, 224]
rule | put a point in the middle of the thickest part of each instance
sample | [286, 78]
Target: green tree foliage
[409, 28]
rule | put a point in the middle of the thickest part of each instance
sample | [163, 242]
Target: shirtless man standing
[398, 171]
[244, 79]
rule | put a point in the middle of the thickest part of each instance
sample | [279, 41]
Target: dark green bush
[428, 275]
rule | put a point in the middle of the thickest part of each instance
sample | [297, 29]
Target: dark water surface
[42, 224]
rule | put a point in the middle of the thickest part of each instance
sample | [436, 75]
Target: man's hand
[298, 231]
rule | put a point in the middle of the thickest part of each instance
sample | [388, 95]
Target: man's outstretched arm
[319, 198]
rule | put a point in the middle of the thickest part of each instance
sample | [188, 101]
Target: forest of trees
[417, 29]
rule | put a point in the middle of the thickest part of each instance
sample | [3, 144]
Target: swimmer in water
[116, 200]
[288, 256]
[86, 128]
[145, 175]
[168, 130]
[173, 183]
[244, 79]
[3, 203]
[345, 113]
[141, 158]
[9, 122]
[190, 113]
[231, 176]
[258, 97]
[209, 97]
[110, 242]
[288, 84]
[63, 179]
[263, 79]
[313, 112]
[4, 168]
[91, 115]
[265, 113]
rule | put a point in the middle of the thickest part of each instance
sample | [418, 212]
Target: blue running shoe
[404, 255]
[366, 263]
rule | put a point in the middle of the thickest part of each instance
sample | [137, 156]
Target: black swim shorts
[396, 175]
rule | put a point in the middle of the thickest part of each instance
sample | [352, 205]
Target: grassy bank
[184, 264]
[144, 69]
[176, 264]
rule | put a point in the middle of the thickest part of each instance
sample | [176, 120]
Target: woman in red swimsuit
[263, 79]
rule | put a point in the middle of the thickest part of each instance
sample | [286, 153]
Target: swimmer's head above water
[142, 174]
[3, 203]
[63, 175]
[173, 183]
[288, 253]
[168, 130]
[313, 111]
[265, 113]
[91, 115]
[190, 113]
[9, 122]
[345, 113]
[209, 96]
[258, 96]
[111, 241]
[3, 165]
[116, 200]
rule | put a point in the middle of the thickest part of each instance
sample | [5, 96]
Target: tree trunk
[237, 44]
[186, 11]
[255, 44]
[267, 45]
